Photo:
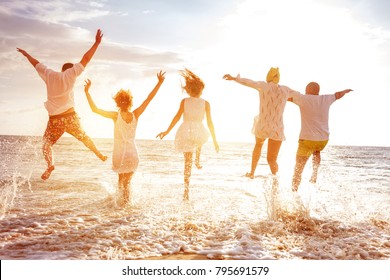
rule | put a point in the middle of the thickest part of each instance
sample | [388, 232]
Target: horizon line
[152, 139]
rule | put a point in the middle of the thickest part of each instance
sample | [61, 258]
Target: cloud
[147, 12]
[54, 43]
[22, 110]
[139, 55]
[56, 11]
[113, 65]
[375, 12]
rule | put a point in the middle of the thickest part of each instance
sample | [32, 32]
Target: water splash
[281, 202]
[19, 157]
[116, 195]
[287, 211]
[8, 191]
[272, 197]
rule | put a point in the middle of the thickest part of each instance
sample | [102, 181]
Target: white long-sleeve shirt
[273, 98]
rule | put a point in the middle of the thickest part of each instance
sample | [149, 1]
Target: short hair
[313, 88]
[66, 66]
[123, 99]
[193, 84]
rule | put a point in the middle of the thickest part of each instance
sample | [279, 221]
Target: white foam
[74, 215]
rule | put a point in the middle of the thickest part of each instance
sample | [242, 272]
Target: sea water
[75, 213]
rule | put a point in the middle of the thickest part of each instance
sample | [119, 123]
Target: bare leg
[126, 183]
[197, 158]
[90, 145]
[74, 128]
[187, 173]
[255, 157]
[316, 165]
[48, 155]
[121, 189]
[300, 163]
[272, 155]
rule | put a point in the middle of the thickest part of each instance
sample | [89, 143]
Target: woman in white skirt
[191, 134]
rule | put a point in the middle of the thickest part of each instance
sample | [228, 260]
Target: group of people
[192, 134]
[314, 134]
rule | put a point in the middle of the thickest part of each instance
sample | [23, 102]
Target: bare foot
[186, 193]
[197, 164]
[250, 175]
[313, 179]
[103, 158]
[45, 175]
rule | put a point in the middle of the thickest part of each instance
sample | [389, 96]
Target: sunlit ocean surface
[75, 215]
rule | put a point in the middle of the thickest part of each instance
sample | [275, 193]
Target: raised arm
[95, 109]
[32, 60]
[89, 54]
[211, 126]
[340, 94]
[244, 81]
[138, 112]
[175, 119]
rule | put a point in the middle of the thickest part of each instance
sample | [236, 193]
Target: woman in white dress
[125, 154]
[191, 134]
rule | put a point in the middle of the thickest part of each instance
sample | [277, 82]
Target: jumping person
[60, 103]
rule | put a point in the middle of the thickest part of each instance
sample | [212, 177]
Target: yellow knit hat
[273, 75]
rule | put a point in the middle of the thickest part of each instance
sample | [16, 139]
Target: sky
[339, 44]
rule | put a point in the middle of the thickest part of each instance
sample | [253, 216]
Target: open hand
[99, 36]
[160, 76]
[161, 135]
[216, 146]
[87, 85]
[228, 77]
[23, 52]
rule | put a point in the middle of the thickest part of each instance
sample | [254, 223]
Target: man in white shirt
[60, 103]
[314, 133]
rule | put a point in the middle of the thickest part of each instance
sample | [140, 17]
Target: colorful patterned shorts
[57, 125]
[307, 147]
